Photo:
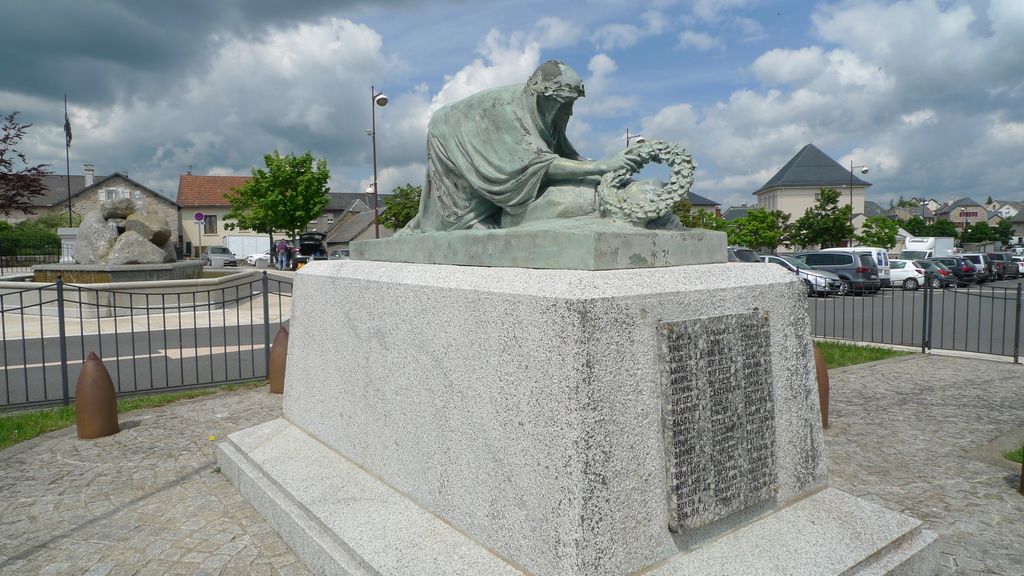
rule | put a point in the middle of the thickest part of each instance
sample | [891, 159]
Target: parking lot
[978, 318]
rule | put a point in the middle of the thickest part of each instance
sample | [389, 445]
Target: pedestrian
[282, 254]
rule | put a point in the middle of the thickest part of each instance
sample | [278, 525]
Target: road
[975, 319]
[137, 361]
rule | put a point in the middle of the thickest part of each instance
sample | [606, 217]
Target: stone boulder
[119, 208]
[150, 225]
[133, 248]
[96, 238]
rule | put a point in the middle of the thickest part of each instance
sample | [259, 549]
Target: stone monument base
[340, 519]
[102, 273]
[557, 422]
[569, 244]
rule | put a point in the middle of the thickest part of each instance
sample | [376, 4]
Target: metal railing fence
[979, 319]
[21, 254]
[150, 339]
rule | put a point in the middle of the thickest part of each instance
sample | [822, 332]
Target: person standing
[282, 254]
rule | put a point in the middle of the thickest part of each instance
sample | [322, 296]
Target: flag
[67, 129]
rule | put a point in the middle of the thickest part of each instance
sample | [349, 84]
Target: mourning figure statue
[501, 157]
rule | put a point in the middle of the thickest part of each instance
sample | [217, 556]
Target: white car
[817, 281]
[252, 258]
[905, 273]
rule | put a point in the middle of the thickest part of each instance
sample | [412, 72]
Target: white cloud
[616, 36]
[551, 32]
[656, 22]
[924, 116]
[698, 40]
[711, 10]
[506, 60]
[781, 66]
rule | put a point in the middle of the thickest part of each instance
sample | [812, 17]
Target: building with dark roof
[797, 185]
[963, 212]
[736, 212]
[698, 202]
[88, 190]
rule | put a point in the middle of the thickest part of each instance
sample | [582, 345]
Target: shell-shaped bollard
[278, 358]
[95, 401]
[821, 372]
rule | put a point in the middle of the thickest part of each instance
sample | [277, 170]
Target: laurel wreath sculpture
[620, 201]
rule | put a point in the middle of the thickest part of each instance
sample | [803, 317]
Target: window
[114, 193]
[210, 225]
[330, 218]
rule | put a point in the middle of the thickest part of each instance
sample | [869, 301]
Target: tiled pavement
[913, 434]
[909, 434]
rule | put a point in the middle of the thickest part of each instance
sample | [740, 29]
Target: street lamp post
[638, 137]
[863, 170]
[376, 99]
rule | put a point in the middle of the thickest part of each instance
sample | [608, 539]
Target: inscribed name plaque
[718, 416]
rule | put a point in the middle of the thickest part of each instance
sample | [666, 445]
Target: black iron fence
[20, 254]
[980, 319]
[150, 337]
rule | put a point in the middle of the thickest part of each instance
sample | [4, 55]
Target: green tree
[916, 226]
[880, 232]
[901, 203]
[697, 219]
[977, 232]
[20, 182]
[942, 228]
[825, 224]
[283, 198]
[401, 206]
[1003, 232]
[760, 229]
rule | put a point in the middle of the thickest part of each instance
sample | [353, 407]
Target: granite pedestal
[470, 420]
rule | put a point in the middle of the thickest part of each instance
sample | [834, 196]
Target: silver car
[219, 256]
[817, 281]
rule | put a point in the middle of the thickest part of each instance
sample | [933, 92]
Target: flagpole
[67, 156]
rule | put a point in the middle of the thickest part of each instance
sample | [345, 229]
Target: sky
[929, 94]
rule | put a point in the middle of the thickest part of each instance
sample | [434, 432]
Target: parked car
[857, 271]
[310, 247]
[251, 259]
[219, 256]
[741, 254]
[817, 281]
[339, 254]
[963, 269]
[1005, 266]
[880, 256]
[941, 276]
[906, 273]
[982, 266]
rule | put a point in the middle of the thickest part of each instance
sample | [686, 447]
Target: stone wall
[90, 200]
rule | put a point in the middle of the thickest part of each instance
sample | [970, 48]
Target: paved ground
[148, 501]
[916, 435]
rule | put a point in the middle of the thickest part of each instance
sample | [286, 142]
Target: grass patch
[1015, 455]
[838, 354]
[23, 426]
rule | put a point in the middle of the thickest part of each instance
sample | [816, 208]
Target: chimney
[90, 174]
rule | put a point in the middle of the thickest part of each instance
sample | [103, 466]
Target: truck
[925, 247]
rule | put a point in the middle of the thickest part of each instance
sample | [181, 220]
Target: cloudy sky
[928, 93]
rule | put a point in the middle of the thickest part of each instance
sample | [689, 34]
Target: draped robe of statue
[487, 157]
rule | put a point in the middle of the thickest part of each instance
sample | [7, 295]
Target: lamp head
[640, 139]
[864, 170]
[380, 100]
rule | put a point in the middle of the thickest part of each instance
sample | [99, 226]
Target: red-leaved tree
[19, 182]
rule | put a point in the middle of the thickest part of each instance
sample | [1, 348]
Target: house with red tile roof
[203, 204]
[342, 219]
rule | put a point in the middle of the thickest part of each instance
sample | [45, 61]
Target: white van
[879, 255]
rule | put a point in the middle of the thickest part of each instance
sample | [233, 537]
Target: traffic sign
[200, 217]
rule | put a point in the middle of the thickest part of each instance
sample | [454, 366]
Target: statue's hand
[621, 160]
